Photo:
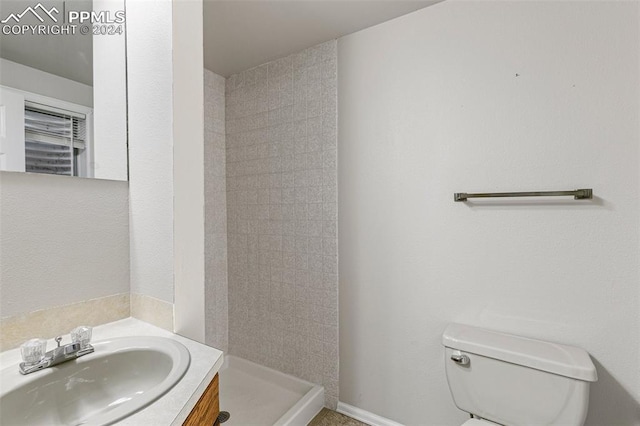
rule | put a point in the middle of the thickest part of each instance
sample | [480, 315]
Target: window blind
[53, 138]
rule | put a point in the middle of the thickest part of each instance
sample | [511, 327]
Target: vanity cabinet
[207, 408]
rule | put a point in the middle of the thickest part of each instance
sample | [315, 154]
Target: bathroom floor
[328, 417]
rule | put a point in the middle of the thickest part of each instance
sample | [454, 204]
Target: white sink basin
[122, 376]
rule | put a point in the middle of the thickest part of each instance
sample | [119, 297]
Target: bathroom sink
[122, 376]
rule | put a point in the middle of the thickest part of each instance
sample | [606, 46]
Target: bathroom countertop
[173, 407]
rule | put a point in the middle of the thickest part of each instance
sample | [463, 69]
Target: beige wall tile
[51, 322]
[282, 215]
[154, 311]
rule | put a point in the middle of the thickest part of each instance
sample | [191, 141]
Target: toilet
[510, 380]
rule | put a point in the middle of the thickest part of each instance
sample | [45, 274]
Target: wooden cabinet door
[206, 411]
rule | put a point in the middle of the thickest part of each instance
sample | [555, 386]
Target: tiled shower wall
[215, 188]
[282, 215]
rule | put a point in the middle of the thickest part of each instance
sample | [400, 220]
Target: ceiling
[242, 34]
[238, 34]
[68, 56]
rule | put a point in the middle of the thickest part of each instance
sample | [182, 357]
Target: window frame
[85, 158]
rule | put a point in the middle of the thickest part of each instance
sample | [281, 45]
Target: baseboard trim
[364, 416]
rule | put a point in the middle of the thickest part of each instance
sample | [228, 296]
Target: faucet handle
[58, 340]
[33, 351]
[81, 335]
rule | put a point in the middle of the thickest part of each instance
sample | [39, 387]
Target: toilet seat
[478, 422]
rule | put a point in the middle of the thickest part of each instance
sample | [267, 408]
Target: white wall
[32, 80]
[62, 240]
[488, 96]
[188, 169]
[150, 85]
[110, 100]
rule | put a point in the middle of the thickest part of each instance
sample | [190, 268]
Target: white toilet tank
[516, 381]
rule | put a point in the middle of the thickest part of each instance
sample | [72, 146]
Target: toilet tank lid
[555, 358]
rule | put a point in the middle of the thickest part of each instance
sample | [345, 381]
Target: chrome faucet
[57, 356]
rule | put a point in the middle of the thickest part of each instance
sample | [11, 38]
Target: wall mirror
[63, 88]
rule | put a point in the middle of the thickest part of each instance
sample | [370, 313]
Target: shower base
[259, 396]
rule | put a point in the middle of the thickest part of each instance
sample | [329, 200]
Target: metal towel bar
[578, 194]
